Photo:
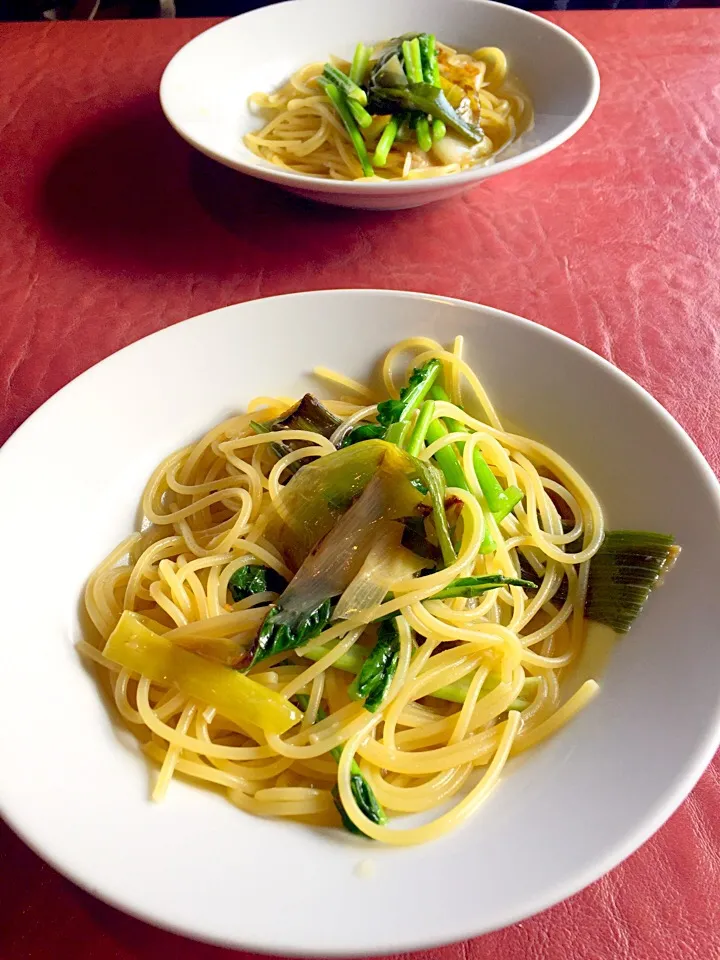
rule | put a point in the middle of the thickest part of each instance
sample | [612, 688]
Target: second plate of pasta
[396, 106]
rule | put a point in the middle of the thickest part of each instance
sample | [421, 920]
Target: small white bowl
[74, 784]
[205, 87]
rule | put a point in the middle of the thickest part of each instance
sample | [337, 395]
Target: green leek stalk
[387, 139]
[439, 130]
[419, 431]
[352, 662]
[422, 132]
[345, 84]
[361, 115]
[500, 502]
[360, 61]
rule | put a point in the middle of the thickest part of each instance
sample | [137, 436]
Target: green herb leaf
[365, 799]
[361, 789]
[411, 396]
[283, 631]
[392, 89]
[366, 431]
[252, 579]
[474, 586]
[376, 675]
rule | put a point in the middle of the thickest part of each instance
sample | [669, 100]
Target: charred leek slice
[626, 568]
[309, 414]
[383, 476]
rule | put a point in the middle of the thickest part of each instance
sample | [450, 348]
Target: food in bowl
[347, 610]
[408, 109]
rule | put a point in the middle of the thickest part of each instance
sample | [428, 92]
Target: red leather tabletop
[111, 227]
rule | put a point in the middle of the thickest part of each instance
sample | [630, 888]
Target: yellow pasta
[475, 679]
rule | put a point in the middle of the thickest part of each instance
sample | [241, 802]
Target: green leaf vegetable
[373, 681]
[252, 579]
[362, 117]
[428, 59]
[406, 77]
[404, 82]
[284, 630]
[395, 414]
[364, 798]
[394, 419]
[353, 660]
[499, 501]
[435, 485]
[475, 586]
[366, 431]
[425, 416]
[361, 789]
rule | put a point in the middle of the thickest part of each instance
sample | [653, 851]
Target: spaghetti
[475, 672]
[305, 132]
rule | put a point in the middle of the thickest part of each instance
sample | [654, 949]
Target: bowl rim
[664, 806]
[291, 179]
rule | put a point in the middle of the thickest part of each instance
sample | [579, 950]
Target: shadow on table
[144, 942]
[127, 194]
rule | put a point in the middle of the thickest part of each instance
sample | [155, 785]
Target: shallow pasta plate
[205, 88]
[77, 790]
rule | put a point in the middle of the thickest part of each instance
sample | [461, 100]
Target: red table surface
[111, 227]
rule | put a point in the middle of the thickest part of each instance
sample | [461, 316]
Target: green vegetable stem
[340, 104]
[361, 789]
[396, 414]
[344, 84]
[360, 61]
[387, 139]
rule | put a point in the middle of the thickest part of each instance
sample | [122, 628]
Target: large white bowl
[75, 786]
[205, 88]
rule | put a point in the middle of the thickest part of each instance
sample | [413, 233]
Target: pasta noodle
[206, 511]
[303, 132]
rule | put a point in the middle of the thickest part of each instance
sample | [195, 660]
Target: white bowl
[205, 87]
[76, 788]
